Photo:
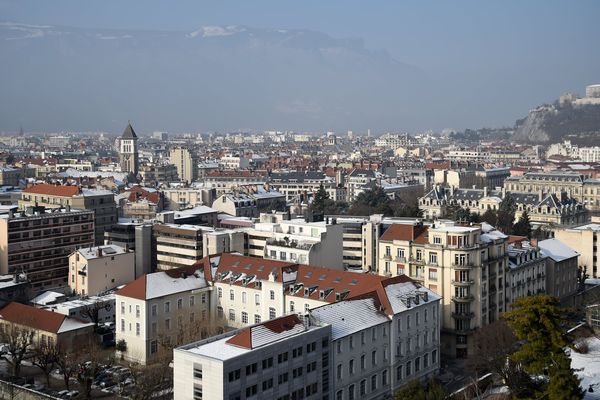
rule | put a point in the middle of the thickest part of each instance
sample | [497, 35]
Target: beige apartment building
[38, 242]
[101, 202]
[93, 270]
[186, 163]
[584, 240]
[465, 265]
[161, 310]
[178, 245]
[561, 268]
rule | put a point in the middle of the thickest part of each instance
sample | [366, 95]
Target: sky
[487, 63]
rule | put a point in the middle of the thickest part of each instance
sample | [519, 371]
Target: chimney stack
[99, 252]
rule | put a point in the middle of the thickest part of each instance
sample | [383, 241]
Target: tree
[151, 380]
[523, 225]
[414, 390]
[121, 347]
[90, 362]
[66, 363]
[505, 216]
[493, 345]
[92, 311]
[19, 340]
[320, 201]
[536, 321]
[490, 217]
[463, 215]
[45, 358]
[277, 205]
[371, 201]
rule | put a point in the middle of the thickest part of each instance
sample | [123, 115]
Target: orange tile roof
[277, 325]
[259, 267]
[138, 193]
[406, 232]
[35, 318]
[135, 289]
[53, 190]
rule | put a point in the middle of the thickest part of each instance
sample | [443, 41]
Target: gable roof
[165, 283]
[40, 319]
[267, 332]
[129, 133]
[53, 190]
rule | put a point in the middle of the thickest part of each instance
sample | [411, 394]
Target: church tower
[128, 151]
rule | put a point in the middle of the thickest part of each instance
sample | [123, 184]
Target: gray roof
[129, 133]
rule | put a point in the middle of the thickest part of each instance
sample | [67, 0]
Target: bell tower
[128, 151]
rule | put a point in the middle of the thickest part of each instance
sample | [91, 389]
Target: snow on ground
[587, 367]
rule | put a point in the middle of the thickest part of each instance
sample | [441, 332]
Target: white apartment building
[186, 163]
[383, 340]
[284, 358]
[234, 161]
[527, 274]
[301, 186]
[160, 310]
[224, 241]
[93, 270]
[466, 265]
[297, 241]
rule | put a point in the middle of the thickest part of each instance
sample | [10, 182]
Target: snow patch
[215, 31]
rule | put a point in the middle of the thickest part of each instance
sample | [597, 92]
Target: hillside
[554, 123]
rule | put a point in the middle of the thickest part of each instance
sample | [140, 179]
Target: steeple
[129, 133]
[128, 151]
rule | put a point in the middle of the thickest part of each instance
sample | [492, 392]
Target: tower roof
[129, 133]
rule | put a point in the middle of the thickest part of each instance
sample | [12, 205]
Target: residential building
[187, 197]
[466, 265]
[561, 268]
[527, 268]
[297, 241]
[86, 306]
[237, 205]
[186, 163]
[49, 328]
[358, 181]
[94, 270]
[101, 202]
[224, 181]
[135, 235]
[161, 310]
[152, 174]
[300, 186]
[177, 245]
[10, 176]
[284, 358]
[128, 151]
[224, 241]
[38, 242]
[584, 240]
[234, 161]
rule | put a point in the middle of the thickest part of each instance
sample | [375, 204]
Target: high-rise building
[186, 163]
[128, 151]
[38, 242]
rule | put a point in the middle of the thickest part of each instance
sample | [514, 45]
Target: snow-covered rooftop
[556, 250]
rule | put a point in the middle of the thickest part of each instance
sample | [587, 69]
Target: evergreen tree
[463, 215]
[523, 225]
[490, 217]
[320, 200]
[536, 321]
[414, 390]
[506, 214]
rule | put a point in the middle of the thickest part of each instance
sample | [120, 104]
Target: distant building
[236, 204]
[128, 151]
[583, 239]
[186, 163]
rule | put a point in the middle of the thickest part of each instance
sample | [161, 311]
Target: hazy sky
[491, 61]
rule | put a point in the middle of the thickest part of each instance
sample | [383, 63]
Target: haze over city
[309, 66]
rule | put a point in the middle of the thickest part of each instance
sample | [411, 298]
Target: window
[154, 328]
[231, 295]
[179, 304]
[244, 297]
[408, 322]
[220, 292]
[373, 383]
[167, 324]
[256, 319]
[244, 317]
[220, 312]
[154, 310]
[267, 363]
[433, 258]
[384, 377]
[192, 301]
[351, 339]
[433, 275]
[197, 371]
[251, 390]
[234, 375]
[417, 364]
[231, 314]
[351, 366]
[373, 334]
[167, 306]
[251, 369]
[363, 362]
[153, 346]
[362, 337]
[122, 307]
[339, 371]
[271, 313]
[122, 325]
[306, 308]
[137, 329]
[408, 368]
[292, 307]
[282, 357]
[339, 395]
[351, 392]
[203, 298]
[257, 299]
[272, 294]
[434, 356]
[399, 373]
[374, 357]
[363, 387]
[198, 392]
[268, 384]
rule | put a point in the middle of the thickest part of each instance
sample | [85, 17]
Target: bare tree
[92, 311]
[151, 381]
[19, 340]
[89, 363]
[45, 358]
[66, 363]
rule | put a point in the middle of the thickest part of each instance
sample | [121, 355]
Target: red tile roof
[406, 232]
[53, 190]
[138, 193]
[259, 267]
[277, 325]
[35, 318]
[135, 289]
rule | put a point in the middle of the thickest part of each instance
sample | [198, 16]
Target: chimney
[485, 191]
[99, 252]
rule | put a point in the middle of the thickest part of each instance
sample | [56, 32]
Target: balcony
[465, 265]
[463, 299]
[387, 257]
[463, 283]
[415, 261]
[463, 315]
[400, 259]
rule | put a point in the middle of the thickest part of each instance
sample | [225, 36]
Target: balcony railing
[463, 298]
[463, 315]
[463, 283]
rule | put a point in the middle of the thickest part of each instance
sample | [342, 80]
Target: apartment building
[186, 163]
[152, 174]
[224, 181]
[561, 268]
[297, 240]
[466, 265]
[161, 310]
[187, 197]
[224, 241]
[137, 236]
[38, 242]
[101, 202]
[358, 181]
[234, 161]
[284, 358]
[584, 240]
[178, 245]
[382, 340]
[300, 186]
[93, 270]
[527, 268]
[237, 205]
